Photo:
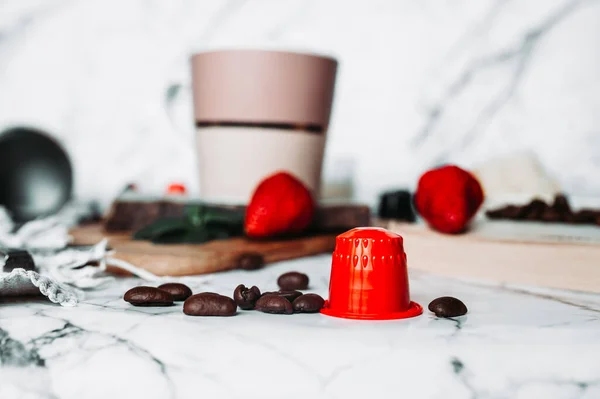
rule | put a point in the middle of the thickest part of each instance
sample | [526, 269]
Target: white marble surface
[515, 342]
[421, 82]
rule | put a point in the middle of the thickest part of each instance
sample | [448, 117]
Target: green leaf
[175, 236]
[160, 227]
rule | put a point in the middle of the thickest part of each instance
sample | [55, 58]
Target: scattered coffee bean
[289, 295]
[249, 261]
[180, 292]
[274, 304]
[209, 304]
[447, 306]
[148, 296]
[534, 210]
[537, 210]
[246, 297]
[561, 204]
[293, 281]
[308, 303]
[585, 216]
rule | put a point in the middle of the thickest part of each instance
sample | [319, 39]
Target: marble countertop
[515, 342]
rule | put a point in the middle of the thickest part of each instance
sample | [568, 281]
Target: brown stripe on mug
[310, 128]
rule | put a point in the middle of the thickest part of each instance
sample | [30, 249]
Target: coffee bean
[148, 296]
[534, 210]
[551, 215]
[209, 304]
[447, 306]
[508, 212]
[274, 304]
[584, 216]
[293, 281]
[246, 297]
[308, 303]
[180, 292]
[289, 295]
[561, 204]
[249, 261]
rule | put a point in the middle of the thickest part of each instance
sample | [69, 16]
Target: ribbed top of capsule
[370, 241]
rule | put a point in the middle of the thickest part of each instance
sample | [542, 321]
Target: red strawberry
[280, 204]
[447, 198]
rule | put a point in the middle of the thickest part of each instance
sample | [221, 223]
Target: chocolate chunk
[447, 306]
[180, 292]
[16, 259]
[308, 303]
[246, 298]
[148, 296]
[249, 261]
[293, 281]
[289, 295]
[274, 304]
[209, 304]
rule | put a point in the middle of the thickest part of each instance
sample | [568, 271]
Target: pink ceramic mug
[259, 112]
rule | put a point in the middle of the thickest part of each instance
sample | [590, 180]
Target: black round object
[396, 205]
[36, 177]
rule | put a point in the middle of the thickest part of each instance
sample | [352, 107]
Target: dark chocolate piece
[16, 259]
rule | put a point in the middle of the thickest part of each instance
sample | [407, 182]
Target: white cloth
[62, 272]
[21, 282]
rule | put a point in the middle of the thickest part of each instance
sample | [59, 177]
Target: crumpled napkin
[21, 282]
[62, 272]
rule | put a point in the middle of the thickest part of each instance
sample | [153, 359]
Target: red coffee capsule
[369, 279]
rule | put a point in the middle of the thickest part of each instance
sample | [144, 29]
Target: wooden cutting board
[214, 256]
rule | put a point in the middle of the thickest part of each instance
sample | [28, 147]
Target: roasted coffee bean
[246, 297]
[561, 204]
[551, 215]
[209, 304]
[289, 295]
[308, 303]
[148, 296]
[274, 304]
[584, 216]
[447, 306]
[293, 281]
[180, 292]
[249, 261]
[512, 212]
[534, 210]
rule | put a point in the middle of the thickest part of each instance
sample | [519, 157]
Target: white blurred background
[421, 82]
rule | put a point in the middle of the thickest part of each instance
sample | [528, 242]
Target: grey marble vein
[15, 353]
[518, 56]
[167, 354]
